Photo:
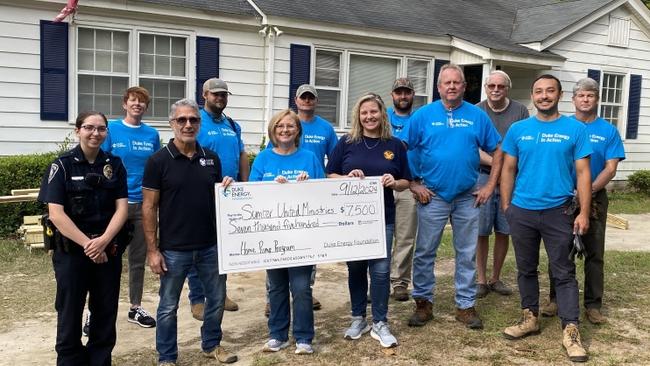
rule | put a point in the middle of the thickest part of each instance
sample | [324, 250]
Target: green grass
[626, 202]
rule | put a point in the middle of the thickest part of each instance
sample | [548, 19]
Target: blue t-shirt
[268, 165]
[218, 135]
[546, 153]
[398, 126]
[605, 142]
[318, 136]
[375, 157]
[134, 145]
[447, 143]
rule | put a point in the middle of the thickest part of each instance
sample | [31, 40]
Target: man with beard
[447, 135]
[503, 112]
[406, 219]
[546, 159]
[608, 151]
[222, 135]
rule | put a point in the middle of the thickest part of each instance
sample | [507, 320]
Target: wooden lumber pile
[31, 232]
[617, 222]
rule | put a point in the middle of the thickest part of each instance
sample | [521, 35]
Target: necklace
[370, 147]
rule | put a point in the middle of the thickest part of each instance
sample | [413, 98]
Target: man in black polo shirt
[178, 188]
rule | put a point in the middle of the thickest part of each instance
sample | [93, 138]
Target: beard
[403, 106]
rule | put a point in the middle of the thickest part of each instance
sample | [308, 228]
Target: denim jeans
[171, 283]
[296, 280]
[432, 219]
[379, 282]
[195, 293]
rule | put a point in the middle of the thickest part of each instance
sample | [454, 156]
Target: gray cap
[306, 88]
[403, 83]
[215, 85]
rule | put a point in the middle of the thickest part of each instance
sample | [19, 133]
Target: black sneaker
[141, 318]
[86, 327]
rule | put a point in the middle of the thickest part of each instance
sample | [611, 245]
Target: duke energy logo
[237, 193]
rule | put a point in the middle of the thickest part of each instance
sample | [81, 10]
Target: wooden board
[22, 192]
[22, 198]
[617, 222]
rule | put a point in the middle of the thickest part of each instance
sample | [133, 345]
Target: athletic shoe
[381, 333]
[304, 349]
[274, 345]
[358, 327]
[86, 327]
[140, 317]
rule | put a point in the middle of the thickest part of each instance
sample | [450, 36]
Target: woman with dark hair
[370, 150]
[86, 196]
[285, 162]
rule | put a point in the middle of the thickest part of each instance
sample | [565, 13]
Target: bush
[20, 172]
[640, 180]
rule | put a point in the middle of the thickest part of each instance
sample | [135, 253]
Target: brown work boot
[469, 317]
[595, 316]
[528, 325]
[572, 344]
[400, 293]
[422, 314]
[548, 308]
[221, 355]
[197, 310]
[230, 305]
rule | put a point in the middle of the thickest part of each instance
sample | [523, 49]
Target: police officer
[86, 193]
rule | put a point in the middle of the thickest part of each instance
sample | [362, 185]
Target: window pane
[86, 38]
[163, 94]
[370, 74]
[121, 41]
[85, 84]
[102, 61]
[146, 64]
[178, 46]
[417, 73]
[116, 105]
[328, 105]
[103, 104]
[160, 108]
[162, 65]
[177, 90]
[146, 43]
[162, 45]
[102, 85]
[121, 62]
[419, 101]
[102, 93]
[118, 86]
[178, 66]
[86, 60]
[327, 68]
[85, 102]
[161, 88]
[102, 39]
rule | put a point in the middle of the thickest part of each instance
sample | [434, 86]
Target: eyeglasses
[286, 127]
[91, 128]
[496, 86]
[181, 121]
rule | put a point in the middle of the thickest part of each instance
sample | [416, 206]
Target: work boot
[482, 290]
[230, 305]
[595, 316]
[469, 317]
[528, 325]
[221, 354]
[197, 310]
[572, 344]
[422, 314]
[400, 293]
[549, 308]
[315, 304]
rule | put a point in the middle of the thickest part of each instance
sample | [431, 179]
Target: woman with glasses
[286, 162]
[86, 195]
[371, 150]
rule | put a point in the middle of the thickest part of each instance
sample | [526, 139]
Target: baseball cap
[215, 85]
[306, 88]
[403, 83]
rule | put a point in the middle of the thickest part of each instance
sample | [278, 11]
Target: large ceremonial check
[263, 225]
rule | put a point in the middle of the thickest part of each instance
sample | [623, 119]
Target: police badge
[108, 171]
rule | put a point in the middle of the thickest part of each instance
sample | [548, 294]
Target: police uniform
[88, 192]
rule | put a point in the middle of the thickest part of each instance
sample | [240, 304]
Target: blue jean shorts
[491, 217]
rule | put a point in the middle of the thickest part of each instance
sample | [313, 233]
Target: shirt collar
[173, 150]
[79, 157]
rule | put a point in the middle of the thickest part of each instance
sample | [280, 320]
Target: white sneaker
[304, 349]
[274, 345]
[381, 333]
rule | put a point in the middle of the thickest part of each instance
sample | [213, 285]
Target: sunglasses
[496, 86]
[183, 120]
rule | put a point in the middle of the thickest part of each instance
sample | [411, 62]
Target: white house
[264, 49]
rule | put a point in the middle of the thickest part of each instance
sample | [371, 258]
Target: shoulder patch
[389, 155]
[53, 170]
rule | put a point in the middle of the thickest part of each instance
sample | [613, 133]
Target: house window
[611, 101]
[418, 72]
[102, 59]
[361, 74]
[619, 31]
[103, 64]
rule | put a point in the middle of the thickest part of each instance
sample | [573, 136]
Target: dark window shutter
[207, 63]
[436, 70]
[299, 71]
[594, 74]
[54, 71]
[633, 107]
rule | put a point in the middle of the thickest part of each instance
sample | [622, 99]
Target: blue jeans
[432, 219]
[195, 293]
[296, 280]
[379, 282]
[171, 283]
